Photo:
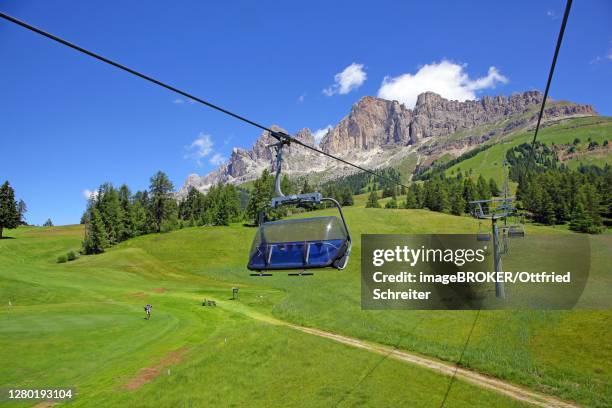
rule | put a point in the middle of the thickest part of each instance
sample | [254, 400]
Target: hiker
[148, 308]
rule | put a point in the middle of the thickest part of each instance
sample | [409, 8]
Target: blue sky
[69, 123]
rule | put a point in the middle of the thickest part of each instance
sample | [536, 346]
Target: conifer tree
[411, 197]
[580, 220]
[469, 192]
[9, 215]
[482, 189]
[347, 197]
[22, 208]
[306, 188]
[591, 200]
[111, 212]
[493, 188]
[260, 196]
[457, 203]
[96, 240]
[140, 217]
[126, 230]
[162, 205]
[373, 200]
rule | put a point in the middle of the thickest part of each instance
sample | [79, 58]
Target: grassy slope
[81, 324]
[65, 314]
[489, 162]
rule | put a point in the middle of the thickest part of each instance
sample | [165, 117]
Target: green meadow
[596, 128]
[81, 324]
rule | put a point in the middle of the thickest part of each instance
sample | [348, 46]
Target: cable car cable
[280, 136]
[568, 6]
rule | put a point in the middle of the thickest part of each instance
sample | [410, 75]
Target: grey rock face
[374, 124]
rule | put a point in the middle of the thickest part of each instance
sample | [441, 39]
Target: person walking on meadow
[147, 309]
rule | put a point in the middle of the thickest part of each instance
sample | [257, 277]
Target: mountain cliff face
[377, 130]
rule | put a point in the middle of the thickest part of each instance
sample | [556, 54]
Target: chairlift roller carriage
[299, 244]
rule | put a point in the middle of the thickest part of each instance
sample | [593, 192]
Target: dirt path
[148, 373]
[513, 391]
[481, 380]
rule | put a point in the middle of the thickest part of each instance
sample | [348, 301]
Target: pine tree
[287, 186]
[22, 208]
[140, 217]
[493, 187]
[469, 193]
[111, 212]
[347, 197]
[438, 197]
[162, 205]
[260, 196]
[411, 197]
[127, 223]
[482, 189]
[306, 188]
[580, 220]
[96, 240]
[9, 214]
[457, 203]
[373, 200]
[48, 223]
[192, 206]
[547, 209]
[591, 200]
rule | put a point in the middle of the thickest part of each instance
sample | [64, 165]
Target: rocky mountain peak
[375, 125]
[429, 99]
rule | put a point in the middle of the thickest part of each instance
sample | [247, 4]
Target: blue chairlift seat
[308, 243]
[483, 236]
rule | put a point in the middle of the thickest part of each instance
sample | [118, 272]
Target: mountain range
[379, 133]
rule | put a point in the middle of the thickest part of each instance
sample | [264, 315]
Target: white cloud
[179, 101]
[200, 147]
[552, 14]
[217, 159]
[301, 98]
[320, 133]
[352, 77]
[444, 78]
[608, 55]
[88, 194]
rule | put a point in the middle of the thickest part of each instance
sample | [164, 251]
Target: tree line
[442, 194]
[551, 193]
[114, 215]
[582, 197]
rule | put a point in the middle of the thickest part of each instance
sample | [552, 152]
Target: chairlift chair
[482, 235]
[303, 243]
[516, 229]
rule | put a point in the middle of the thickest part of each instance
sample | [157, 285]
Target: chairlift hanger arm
[337, 204]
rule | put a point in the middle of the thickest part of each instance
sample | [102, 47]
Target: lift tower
[495, 209]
